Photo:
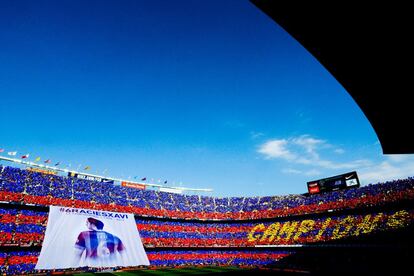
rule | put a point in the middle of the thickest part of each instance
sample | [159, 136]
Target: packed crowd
[22, 227]
[19, 185]
[213, 257]
[26, 227]
[24, 262]
[18, 262]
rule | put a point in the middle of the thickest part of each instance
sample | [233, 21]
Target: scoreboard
[338, 182]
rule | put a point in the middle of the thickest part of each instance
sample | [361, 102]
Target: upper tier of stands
[20, 185]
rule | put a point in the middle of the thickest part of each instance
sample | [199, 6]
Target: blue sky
[204, 94]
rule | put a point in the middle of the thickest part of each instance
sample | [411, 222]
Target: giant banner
[81, 237]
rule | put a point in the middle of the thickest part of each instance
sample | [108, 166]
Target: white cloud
[398, 157]
[276, 149]
[255, 135]
[291, 171]
[304, 161]
[313, 172]
[339, 151]
[347, 165]
[385, 171]
[306, 156]
[307, 142]
[306, 150]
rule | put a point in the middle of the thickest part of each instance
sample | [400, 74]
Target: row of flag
[47, 161]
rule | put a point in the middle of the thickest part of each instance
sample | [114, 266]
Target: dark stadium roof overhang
[368, 50]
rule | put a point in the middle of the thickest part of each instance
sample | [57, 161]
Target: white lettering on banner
[93, 212]
[82, 237]
[89, 177]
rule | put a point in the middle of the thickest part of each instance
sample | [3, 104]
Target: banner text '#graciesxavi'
[93, 213]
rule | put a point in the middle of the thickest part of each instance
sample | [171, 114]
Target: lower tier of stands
[343, 258]
[23, 262]
[176, 243]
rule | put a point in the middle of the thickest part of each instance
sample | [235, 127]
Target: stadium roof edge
[54, 168]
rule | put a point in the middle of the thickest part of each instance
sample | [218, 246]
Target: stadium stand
[23, 186]
[184, 230]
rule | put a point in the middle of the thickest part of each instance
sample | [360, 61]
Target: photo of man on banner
[97, 245]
